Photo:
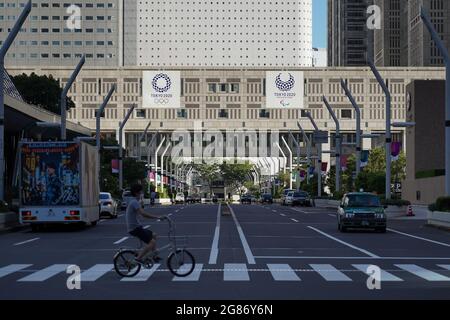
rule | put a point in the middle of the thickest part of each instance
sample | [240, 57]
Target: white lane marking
[120, 215]
[95, 272]
[27, 241]
[332, 215]
[235, 272]
[146, 227]
[143, 275]
[282, 272]
[215, 244]
[121, 240]
[420, 238]
[283, 215]
[353, 258]
[445, 266]
[45, 274]
[12, 268]
[329, 273]
[176, 211]
[294, 220]
[247, 250]
[274, 210]
[194, 276]
[422, 272]
[344, 243]
[169, 214]
[384, 275]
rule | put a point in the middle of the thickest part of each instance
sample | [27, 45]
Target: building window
[140, 113]
[223, 113]
[212, 87]
[234, 87]
[224, 87]
[264, 113]
[182, 113]
[346, 114]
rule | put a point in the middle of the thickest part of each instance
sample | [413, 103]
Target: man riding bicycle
[134, 226]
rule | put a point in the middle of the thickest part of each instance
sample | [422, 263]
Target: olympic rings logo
[167, 83]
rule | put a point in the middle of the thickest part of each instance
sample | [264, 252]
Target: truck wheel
[94, 223]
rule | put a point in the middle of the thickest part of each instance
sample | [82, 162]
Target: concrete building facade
[244, 107]
[425, 166]
[57, 33]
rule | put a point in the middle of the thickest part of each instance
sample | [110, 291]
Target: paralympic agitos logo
[285, 85]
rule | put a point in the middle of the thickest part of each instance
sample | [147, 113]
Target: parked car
[361, 210]
[246, 198]
[196, 198]
[189, 199]
[284, 195]
[267, 198]
[108, 206]
[179, 198]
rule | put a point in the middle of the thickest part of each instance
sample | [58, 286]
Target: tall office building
[403, 40]
[161, 33]
[58, 32]
[388, 39]
[224, 33]
[350, 42]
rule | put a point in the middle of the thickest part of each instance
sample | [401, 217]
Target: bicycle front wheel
[181, 263]
[124, 264]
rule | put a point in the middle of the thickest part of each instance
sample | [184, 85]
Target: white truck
[58, 183]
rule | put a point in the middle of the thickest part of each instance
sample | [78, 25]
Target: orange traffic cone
[410, 212]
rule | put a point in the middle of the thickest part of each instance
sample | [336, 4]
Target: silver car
[108, 206]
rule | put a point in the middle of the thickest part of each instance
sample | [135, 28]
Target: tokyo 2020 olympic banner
[284, 89]
[161, 89]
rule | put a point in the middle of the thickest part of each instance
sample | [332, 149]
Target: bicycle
[180, 262]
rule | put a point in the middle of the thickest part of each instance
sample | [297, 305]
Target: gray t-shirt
[131, 215]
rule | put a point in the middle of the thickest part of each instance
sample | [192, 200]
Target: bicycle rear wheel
[124, 263]
[181, 263]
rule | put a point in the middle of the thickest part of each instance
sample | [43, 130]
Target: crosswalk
[237, 272]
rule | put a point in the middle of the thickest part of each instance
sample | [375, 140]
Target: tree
[377, 164]
[41, 91]
[235, 175]
[208, 172]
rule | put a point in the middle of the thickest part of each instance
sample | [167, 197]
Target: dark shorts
[142, 234]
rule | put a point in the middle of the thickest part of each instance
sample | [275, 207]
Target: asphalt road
[256, 252]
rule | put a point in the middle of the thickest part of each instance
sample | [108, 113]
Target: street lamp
[388, 128]
[141, 137]
[319, 160]
[358, 125]
[3, 50]
[298, 158]
[290, 161]
[308, 150]
[338, 144]
[64, 93]
[121, 126]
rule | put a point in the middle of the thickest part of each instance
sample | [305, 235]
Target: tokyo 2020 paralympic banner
[284, 89]
[161, 89]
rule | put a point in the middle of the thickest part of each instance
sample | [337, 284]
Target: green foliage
[41, 91]
[371, 182]
[133, 171]
[443, 204]
[208, 172]
[236, 175]
[377, 164]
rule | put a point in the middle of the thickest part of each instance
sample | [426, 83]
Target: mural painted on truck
[50, 174]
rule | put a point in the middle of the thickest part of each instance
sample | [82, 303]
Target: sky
[319, 23]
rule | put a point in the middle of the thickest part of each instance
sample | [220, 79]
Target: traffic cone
[410, 212]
